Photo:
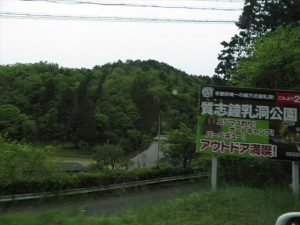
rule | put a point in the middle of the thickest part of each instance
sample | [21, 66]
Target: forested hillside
[116, 103]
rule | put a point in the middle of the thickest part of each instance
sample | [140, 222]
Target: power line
[216, 1]
[136, 5]
[14, 15]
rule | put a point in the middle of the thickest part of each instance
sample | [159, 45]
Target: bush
[89, 179]
[255, 172]
[19, 162]
[108, 156]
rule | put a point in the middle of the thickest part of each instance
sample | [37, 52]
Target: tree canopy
[180, 146]
[273, 62]
[258, 18]
[117, 103]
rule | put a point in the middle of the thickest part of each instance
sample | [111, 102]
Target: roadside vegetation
[230, 205]
[27, 169]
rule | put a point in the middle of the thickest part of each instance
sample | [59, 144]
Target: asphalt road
[96, 204]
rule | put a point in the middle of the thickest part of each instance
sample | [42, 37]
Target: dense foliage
[64, 181]
[22, 162]
[108, 156]
[180, 146]
[273, 62]
[257, 19]
[115, 103]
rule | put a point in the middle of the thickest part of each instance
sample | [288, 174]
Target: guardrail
[31, 196]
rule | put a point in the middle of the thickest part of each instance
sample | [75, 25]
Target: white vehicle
[292, 218]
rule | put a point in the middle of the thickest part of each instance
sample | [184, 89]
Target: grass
[227, 206]
[82, 161]
[67, 152]
[72, 153]
[74, 156]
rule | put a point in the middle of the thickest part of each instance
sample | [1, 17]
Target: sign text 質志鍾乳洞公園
[249, 122]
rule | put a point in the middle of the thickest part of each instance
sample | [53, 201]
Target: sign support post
[295, 178]
[214, 169]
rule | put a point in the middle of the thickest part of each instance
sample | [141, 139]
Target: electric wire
[136, 5]
[14, 15]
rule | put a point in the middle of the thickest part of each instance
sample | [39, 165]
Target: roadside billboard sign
[249, 122]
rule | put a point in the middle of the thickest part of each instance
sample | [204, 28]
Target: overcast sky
[190, 47]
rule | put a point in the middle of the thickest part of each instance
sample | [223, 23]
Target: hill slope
[117, 103]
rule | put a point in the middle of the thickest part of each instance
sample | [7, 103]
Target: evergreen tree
[84, 120]
[258, 18]
[66, 113]
[146, 103]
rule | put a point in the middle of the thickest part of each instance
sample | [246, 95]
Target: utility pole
[158, 142]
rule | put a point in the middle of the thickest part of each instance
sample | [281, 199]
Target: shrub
[19, 162]
[256, 172]
[89, 179]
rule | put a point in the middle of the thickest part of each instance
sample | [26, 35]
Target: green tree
[48, 125]
[11, 120]
[66, 113]
[85, 127]
[181, 146]
[118, 102]
[146, 103]
[108, 156]
[30, 130]
[273, 62]
[48, 94]
[19, 161]
[258, 18]
[121, 116]
[84, 121]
